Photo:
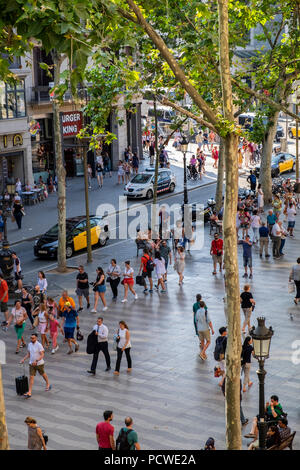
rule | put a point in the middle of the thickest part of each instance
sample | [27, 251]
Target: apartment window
[12, 100]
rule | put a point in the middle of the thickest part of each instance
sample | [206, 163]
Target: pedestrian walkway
[171, 393]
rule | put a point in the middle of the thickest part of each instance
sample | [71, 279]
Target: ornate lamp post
[261, 336]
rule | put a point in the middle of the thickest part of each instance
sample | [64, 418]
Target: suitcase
[139, 280]
[22, 384]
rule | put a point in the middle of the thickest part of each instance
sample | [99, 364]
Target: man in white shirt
[276, 238]
[101, 331]
[35, 354]
[291, 218]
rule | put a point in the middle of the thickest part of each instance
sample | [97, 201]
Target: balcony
[41, 95]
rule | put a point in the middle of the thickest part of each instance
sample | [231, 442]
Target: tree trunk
[233, 349]
[61, 174]
[4, 445]
[220, 179]
[265, 166]
[154, 205]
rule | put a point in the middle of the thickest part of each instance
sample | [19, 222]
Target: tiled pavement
[171, 394]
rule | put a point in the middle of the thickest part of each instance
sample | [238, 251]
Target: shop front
[71, 124]
[15, 152]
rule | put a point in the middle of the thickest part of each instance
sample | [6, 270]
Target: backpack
[219, 348]
[149, 265]
[122, 440]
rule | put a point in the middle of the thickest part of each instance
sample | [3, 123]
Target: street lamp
[261, 336]
[184, 146]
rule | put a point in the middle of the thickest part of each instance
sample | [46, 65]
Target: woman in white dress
[180, 263]
[160, 271]
[121, 172]
[260, 199]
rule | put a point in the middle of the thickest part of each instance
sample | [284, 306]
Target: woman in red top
[215, 156]
[216, 251]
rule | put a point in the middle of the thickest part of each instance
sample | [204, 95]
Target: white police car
[141, 185]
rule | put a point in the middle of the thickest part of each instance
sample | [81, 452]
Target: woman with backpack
[123, 344]
[204, 325]
[247, 352]
[36, 440]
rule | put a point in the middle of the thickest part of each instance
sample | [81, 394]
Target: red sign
[71, 123]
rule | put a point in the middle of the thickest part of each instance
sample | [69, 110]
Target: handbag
[291, 287]
[139, 280]
[22, 211]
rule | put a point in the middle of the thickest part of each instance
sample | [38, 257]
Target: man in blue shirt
[252, 180]
[263, 240]
[271, 219]
[247, 255]
[70, 319]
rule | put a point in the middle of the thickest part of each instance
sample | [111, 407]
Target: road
[31, 265]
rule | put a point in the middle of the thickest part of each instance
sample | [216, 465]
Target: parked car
[281, 162]
[142, 184]
[292, 130]
[246, 122]
[76, 234]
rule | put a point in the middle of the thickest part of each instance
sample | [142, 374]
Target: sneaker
[53, 351]
[93, 311]
[105, 308]
[18, 291]
[145, 291]
[251, 276]
[151, 291]
[245, 422]
[245, 275]
[80, 309]
[57, 348]
[135, 297]
[123, 301]
[92, 372]
[70, 351]
[163, 291]
[107, 369]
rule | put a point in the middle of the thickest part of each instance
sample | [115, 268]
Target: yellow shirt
[61, 304]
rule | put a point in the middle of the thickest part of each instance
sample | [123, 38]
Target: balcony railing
[41, 94]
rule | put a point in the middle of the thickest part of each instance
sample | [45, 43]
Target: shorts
[204, 335]
[244, 225]
[42, 327]
[147, 274]
[247, 261]
[129, 281]
[217, 259]
[34, 369]
[82, 292]
[69, 332]
[291, 224]
[18, 276]
[247, 313]
[3, 306]
[101, 289]
[20, 331]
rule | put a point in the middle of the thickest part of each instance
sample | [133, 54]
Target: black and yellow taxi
[280, 163]
[292, 130]
[76, 236]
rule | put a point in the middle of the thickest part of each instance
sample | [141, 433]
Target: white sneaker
[136, 297]
[93, 311]
[124, 300]
[53, 351]
[18, 291]
[57, 348]
[105, 308]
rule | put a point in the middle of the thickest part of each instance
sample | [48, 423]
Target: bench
[288, 442]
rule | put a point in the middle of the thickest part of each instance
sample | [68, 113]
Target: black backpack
[150, 265]
[122, 440]
[219, 348]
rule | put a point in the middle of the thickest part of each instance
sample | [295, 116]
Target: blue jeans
[281, 246]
